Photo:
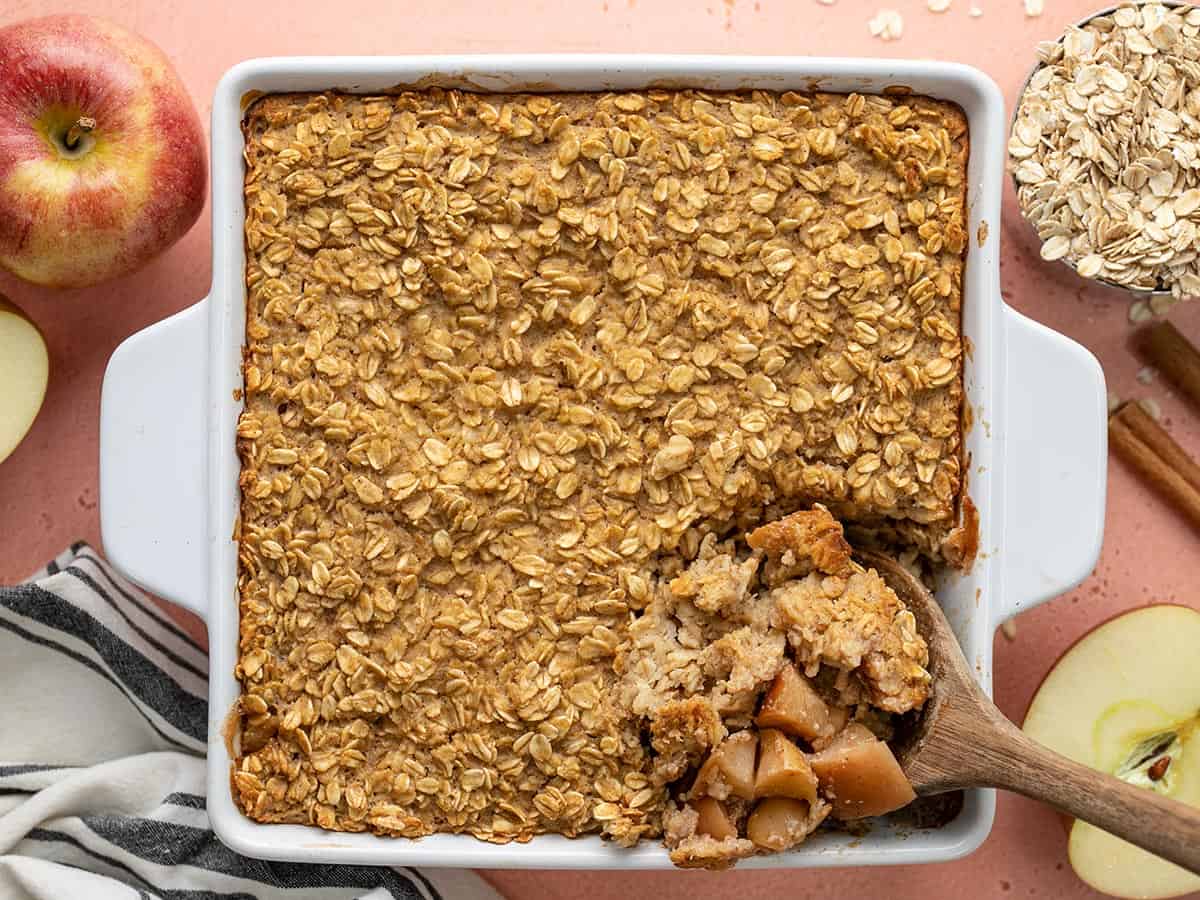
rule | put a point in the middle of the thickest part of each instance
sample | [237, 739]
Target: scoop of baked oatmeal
[749, 666]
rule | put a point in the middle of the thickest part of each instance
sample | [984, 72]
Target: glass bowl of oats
[1104, 149]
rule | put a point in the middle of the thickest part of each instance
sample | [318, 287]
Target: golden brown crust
[961, 545]
[810, 534]
[509, 360]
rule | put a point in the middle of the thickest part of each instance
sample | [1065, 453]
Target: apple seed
[1159, 769]
[1148, 764]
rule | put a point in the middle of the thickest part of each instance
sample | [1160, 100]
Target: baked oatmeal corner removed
[827, 640]
[520, 372]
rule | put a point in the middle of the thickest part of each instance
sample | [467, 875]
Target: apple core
[70, 134]
[1149, 763]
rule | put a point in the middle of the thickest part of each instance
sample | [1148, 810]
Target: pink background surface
[48, 488]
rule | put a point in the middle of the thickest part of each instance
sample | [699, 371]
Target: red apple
[102, 162]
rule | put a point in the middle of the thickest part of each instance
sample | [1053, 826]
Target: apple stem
[82, 126]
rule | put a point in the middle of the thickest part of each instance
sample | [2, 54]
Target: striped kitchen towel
[103, 715]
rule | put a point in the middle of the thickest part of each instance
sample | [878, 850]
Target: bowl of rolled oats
[1104, 150]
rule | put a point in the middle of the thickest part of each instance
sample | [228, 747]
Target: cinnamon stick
[1175, 356]
[1168, 468]
[1154, 436]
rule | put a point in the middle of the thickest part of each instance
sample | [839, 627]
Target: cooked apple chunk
[692, 847]
[860, 775]
[771, 680]
[729, 769]
[793, 705]
[838, 717]
[783, 770]
[713, 819]
[778, 823]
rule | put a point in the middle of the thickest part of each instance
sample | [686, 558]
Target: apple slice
[24, 373]
[1125, 698]
[783, 770]
[793, 705]
[713, 819]
[860, 775]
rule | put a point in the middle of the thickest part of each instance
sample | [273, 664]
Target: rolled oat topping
[513, 362]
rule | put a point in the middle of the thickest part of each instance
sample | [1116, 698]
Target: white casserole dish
[169, 471]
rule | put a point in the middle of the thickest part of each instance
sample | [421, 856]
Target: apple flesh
[778, 823]
[713, 820]
[1123, 699]
[793, 705]
[783, 770]
[102, 162]
[860, 775]
[24, 373]
[729, 769]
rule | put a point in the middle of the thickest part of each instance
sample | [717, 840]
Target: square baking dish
[1035, 439]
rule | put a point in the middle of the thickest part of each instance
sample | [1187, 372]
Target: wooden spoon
[961, 740]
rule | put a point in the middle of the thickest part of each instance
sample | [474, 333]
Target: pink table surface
[48, 488]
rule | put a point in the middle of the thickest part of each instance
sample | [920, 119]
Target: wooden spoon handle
[1008, 759]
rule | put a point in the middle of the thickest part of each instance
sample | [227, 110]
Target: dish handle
[1056, 463]
[153, 467]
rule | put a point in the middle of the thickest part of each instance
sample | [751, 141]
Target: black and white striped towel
[103, 714]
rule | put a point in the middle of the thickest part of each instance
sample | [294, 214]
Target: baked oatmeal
[521, 372]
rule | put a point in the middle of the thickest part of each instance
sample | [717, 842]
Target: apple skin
[132, 186]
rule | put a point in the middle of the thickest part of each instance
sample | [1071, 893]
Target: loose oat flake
[1106, 150]
[1152, 408]
[887, 25]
